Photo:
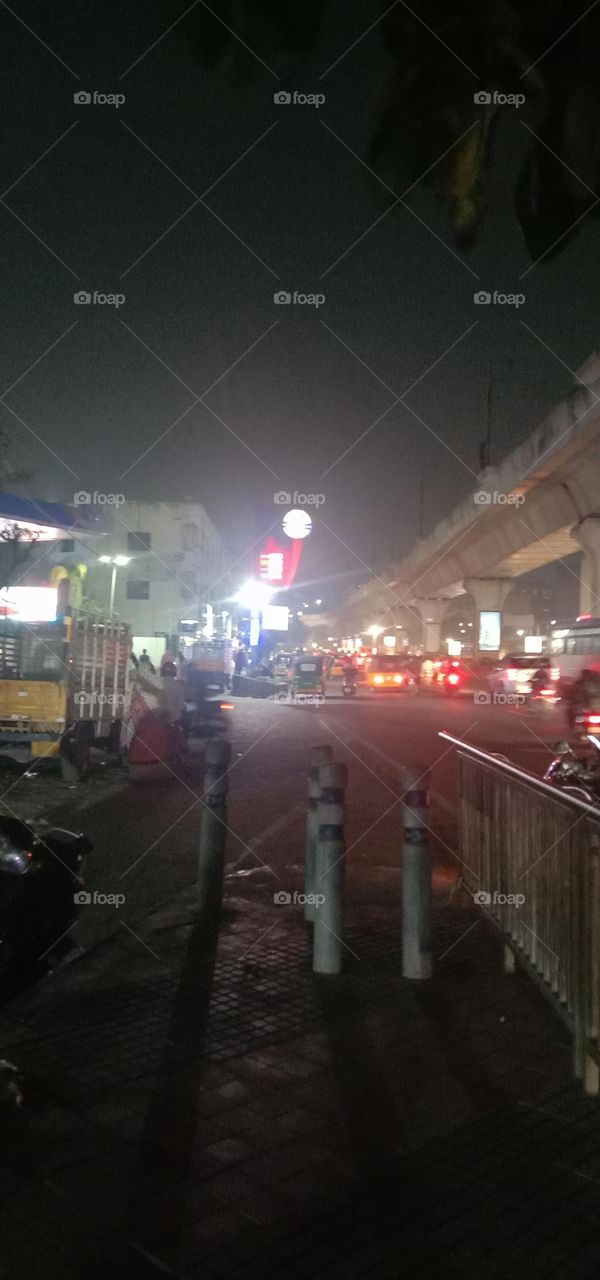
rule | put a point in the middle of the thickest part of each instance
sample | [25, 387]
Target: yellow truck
[63, 689]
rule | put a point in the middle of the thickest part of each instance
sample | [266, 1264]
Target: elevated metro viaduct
[541, 504]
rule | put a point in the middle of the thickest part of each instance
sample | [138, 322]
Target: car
[386, 673]
[514, 673]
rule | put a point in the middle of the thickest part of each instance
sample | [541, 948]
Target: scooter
[349, 687]
[41, 884]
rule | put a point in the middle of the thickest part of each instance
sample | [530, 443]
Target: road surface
[146, 837]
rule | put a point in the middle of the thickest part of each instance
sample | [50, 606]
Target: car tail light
[226, 706]
[398, 679]
[378, 679]
[547, 693]
[592, 719]
[453, 678]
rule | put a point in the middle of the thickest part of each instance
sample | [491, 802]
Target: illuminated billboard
[489, 631]
[275, 617]
[29, 604]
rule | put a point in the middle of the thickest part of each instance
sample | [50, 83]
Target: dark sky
[199, 298]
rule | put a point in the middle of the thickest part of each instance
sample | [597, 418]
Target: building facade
[176, 566]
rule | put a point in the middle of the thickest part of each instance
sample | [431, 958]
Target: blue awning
[84, 520]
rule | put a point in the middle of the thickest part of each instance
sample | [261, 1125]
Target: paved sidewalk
[213, 1110]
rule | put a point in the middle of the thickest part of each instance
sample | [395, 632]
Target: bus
[576, 648]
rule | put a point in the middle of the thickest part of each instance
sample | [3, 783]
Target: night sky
[294, 387]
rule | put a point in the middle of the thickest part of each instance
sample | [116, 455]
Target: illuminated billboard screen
[275, 617]
[28, 604]
[489, 630]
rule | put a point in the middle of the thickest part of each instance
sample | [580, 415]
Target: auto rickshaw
[307, 677]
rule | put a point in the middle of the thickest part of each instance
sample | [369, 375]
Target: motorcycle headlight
[12, 860]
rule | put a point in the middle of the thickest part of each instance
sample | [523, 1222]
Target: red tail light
[226, 706]
[592, 719]
[453, 678]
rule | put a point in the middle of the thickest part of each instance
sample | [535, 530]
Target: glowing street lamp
[254, 595]
[117, 563]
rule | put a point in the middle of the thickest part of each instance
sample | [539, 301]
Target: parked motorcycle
[579, 775]
[41, 878]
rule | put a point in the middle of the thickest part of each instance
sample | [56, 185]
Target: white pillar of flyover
[488, 595]
[432, 612]
[587, 534]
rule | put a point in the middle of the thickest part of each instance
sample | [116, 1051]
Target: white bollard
[416, 876]
[317, 757]
[329, 870]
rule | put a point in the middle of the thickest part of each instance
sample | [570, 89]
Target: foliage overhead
[431, 131]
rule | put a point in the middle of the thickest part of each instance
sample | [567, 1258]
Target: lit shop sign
[278, 565]
[489, 630]
[29, 604]
[271, 566]
[297, 524]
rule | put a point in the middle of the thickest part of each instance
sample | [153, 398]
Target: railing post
[317, 757]
[329, 870]
[213, 831]
[416, 876]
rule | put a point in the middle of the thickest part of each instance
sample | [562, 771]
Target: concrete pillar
[432, 612]
[587, 534]
[488, 595]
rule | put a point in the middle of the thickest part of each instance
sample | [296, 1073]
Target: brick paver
[236, 1116]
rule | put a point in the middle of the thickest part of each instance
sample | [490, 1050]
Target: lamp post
[117, 562]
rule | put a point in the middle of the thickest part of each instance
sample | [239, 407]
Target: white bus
[576, 648]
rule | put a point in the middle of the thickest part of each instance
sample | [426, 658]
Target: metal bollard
[416, 877]
[329, 870]
[213, 831]
[317, 757]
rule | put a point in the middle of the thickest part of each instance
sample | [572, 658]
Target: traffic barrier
[329, 870]
[213, 831]
[416, 876]
[255, 687]
[318, 756]
[531, 858]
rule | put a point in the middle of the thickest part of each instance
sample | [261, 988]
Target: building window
[66, 544]
[138, 589]
[137, 542]
[187, 585]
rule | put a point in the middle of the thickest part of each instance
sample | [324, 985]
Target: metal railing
[531, 858]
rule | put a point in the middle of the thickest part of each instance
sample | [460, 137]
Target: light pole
[117, 562]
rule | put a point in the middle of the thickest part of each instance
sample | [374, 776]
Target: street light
[117, 563]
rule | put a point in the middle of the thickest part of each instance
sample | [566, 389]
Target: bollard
[329, 870]
[213, 831]
[317, 757]
[416, 876]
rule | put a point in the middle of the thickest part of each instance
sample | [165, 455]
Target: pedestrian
[240, 661]
[145, 662]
